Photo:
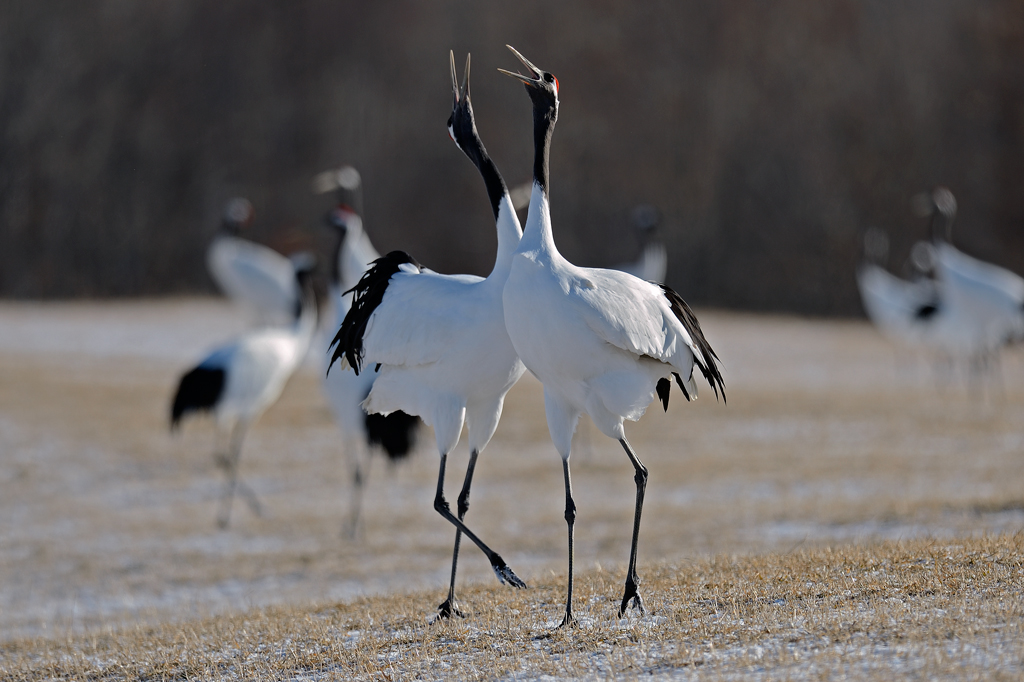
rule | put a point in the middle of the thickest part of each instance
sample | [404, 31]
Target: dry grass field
[841, 515]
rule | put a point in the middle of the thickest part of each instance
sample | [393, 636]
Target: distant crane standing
[440, 340]
[987, 301]
[602, 341]
[253, 275]
[394, 433]
[240, 380]
[904, 311]
[653, 260]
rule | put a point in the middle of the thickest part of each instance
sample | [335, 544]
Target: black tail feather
[199, 390]
[682, 387]
[367, 294]
[664, 388]
[706, 363]
[395, 433]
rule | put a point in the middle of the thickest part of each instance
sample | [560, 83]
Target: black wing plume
[706, 363]
[367, 294]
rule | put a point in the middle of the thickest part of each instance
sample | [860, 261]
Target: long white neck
[305, 324]
[537, 235]
[509, 234]
[355, 255]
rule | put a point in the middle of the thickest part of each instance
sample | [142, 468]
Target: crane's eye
[549, 78]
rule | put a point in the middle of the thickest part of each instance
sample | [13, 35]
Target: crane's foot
[568, 620]
[632, 595]
[448, 608]
[504, 573]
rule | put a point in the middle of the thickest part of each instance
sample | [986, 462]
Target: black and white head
[541, 85]
[345, 182]
[238, 213]
[940, 205]
[344, 219]
[645, 219]
[461, 124]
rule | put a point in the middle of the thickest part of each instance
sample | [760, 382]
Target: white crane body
[255, 276]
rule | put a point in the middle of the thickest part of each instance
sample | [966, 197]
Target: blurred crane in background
[953, 306]
[653, 260]
[362, 433]
[240, 380]
[905, 311]
[250, 274]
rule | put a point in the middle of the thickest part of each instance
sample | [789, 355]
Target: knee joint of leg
[463, 504]
[641, 476]
[570, 512]
[441, 504]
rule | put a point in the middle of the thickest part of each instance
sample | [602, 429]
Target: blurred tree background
[768, 134]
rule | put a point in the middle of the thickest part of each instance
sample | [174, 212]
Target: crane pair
[449, 347]
[953, 305]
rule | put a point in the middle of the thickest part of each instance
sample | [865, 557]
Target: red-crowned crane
[440, 342]
[240, 380]
[394, 433]
[602, 341]
[985, 301]
[253, 275]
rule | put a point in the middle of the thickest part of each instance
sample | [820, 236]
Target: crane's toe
[448, 608]
[505, 574]
[632, 595]
[568, 620]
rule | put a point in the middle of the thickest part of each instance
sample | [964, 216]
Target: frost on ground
[919, 609]
[828, 438]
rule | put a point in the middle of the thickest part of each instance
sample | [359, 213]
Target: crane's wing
[254, 275]
[646, 319]
[1002, 283]
[405, 315]
[893, 302]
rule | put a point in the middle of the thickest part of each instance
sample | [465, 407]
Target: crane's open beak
[532, 79]
[459, 93]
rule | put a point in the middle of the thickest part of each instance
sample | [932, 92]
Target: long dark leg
[501, 569]
[450, 606]
[570, 519]
[249, 495]
[632, 581]
[230, 464]
[351, 529]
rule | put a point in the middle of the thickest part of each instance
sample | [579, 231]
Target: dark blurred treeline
[769, 134]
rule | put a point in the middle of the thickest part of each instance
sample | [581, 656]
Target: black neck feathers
[545, 113]
[464, 131]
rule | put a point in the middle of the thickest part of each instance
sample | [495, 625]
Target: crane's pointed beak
[535, 74]
[460, 93]
[465, 80]
[455, 81]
